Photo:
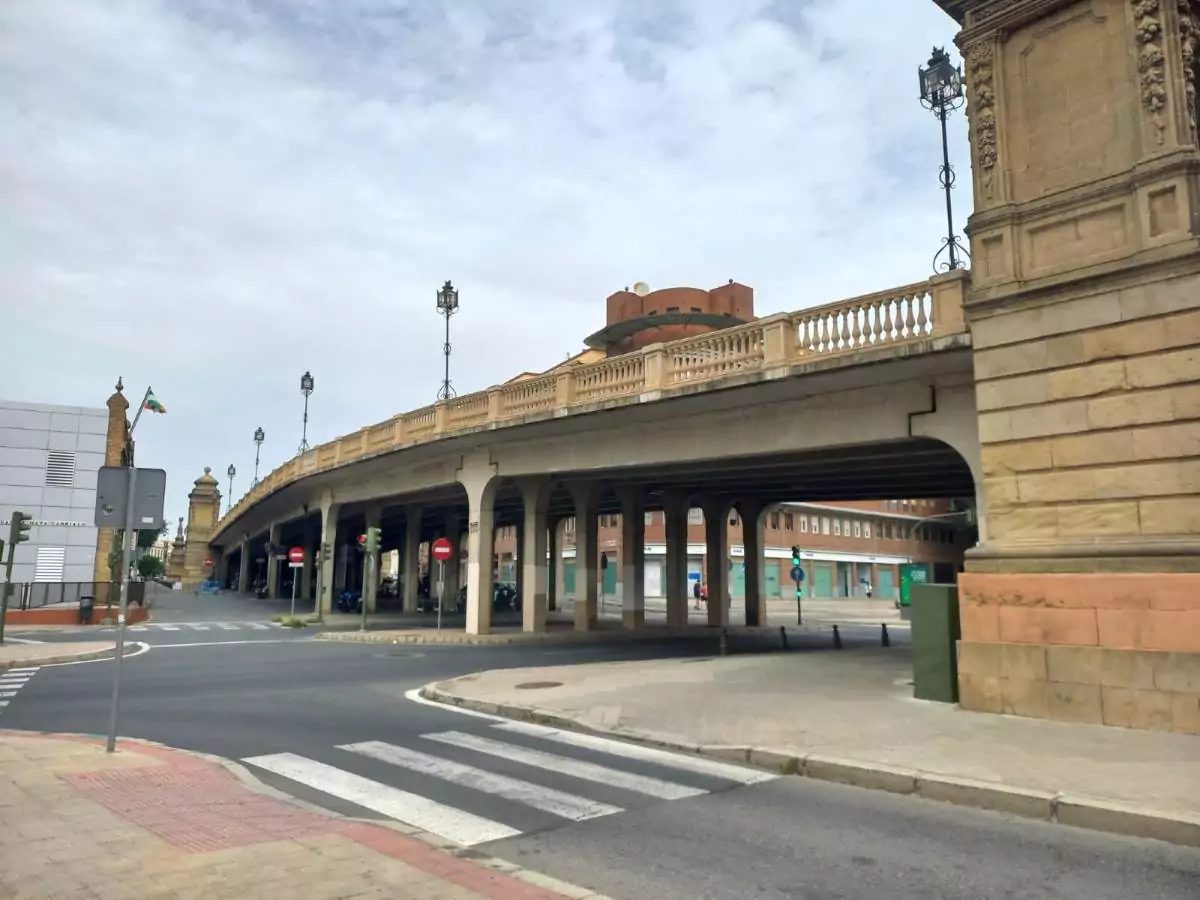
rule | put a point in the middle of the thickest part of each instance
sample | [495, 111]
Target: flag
[153, 405]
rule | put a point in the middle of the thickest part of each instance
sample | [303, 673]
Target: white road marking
[420, 812]
[141, 648]
[8, 693]
[696, 764]
[197, 626]
[558, 803]
[13, 640]
[228, 626]
[3, 703]
[415, 696]
[234, 643]
[17, 681]
[167, 627]
[259, 626]
[139, 628]
[17, 671]
[576, 768]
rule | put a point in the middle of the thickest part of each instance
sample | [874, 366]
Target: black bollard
[724, 642]
[783, 636]
[885, 640]
[837, 638]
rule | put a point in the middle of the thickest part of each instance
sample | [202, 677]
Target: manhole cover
[538, 685]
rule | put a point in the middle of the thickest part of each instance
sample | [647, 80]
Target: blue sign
[797, 574]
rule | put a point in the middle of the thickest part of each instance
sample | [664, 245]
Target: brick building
[845, 547]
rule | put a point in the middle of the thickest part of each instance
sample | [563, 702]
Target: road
[330, 723]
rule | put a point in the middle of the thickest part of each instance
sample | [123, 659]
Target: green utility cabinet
[935, 634]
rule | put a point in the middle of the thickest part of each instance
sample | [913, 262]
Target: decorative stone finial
[120, 384]
[207, 470]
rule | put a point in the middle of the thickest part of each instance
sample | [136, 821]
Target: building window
[695, 516]
[867, 529]
[846, 527]
[837, 527]
[824, 525]
[733, 518]
[648, 518]
[816, 525]
[60, 468]
[789, 523]
[569, 526]
[775, 520]
[858, 529]
[50, 564]
[804, 524]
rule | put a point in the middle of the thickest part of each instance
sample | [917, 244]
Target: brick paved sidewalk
[153, 823]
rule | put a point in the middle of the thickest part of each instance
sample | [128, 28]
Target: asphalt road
[659, 828]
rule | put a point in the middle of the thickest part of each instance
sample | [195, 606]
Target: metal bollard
[783, 636]
[724, 642]
[837, 638]
[885, 640]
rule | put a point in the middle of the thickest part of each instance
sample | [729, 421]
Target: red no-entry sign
[296, 556]
[441, 549]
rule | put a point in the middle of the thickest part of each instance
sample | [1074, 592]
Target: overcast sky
[214, 195]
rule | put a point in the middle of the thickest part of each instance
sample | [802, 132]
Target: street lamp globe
[259, 435]
[447, 299]
[941, 80]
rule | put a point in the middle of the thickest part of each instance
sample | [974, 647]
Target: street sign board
[296, 557]
[112, 486]
[797, 574]
[910, 574]
[441, 549]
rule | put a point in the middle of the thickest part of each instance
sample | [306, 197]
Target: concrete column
[554, 563]
[675, 515]
[244, 567]
[410, 565]
[370, 580]
[306, 572]
[716, 553]
[533, 540]
[275, 536]
[587, 557]
[478, 476]
[329, 541]
[751, 513]
[633, 558]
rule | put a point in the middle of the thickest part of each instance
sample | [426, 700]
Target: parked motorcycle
[350, 602]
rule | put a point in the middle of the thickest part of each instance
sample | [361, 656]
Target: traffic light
[18, 532]
[372, 540]
[795, 556]
[362, 542]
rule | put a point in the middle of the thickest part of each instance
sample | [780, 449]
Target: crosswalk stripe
[227, 626]
[169, 627]
[420, 812]
[695, 764]
[196, 626]
[558, 803]
[3, 703]
[14, 682]
[138, 628]
[8, 693]
[18, 671]
[259, 626]
[576, 768]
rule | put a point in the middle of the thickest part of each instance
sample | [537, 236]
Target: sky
[214, 196]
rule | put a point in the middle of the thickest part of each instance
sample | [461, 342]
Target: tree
[150, 567]
[146, 539]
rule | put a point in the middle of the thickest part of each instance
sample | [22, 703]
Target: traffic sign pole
[441, 550]
[441, 591]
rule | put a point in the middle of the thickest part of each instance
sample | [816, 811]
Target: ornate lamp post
[306, 388]
[231, 471]
[942, 92]
[447, 305]
[259, 437]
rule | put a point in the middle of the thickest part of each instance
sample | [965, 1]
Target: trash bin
[935, 633]
[86, 604]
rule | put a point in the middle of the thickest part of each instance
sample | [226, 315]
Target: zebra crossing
[516, 777]
[179, 626]
[11, 682]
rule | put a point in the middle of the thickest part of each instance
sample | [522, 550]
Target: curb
[454, 636]
[252, 782]
[57, 660]
[1052, 806]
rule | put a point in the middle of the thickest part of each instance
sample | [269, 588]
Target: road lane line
[695, 764]
[576, 768]
[558, 803]
[420, 812]
[415, 696]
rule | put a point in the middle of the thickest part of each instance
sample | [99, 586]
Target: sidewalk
[850, 716]
[155, 823]
[14, 655]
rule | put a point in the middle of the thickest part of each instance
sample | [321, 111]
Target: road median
[19, 656]
[1057, 806]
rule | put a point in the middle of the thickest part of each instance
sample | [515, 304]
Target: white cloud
[215, 195]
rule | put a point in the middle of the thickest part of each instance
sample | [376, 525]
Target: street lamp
[306, 388]
[231, 471]
[942, 92]
[447, 305]
[259, 437]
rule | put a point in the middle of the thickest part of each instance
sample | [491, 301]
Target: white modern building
[49, 459]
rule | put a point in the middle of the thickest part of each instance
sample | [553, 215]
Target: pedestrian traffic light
[795, 556]
[18, 532]
[372, 540]
[362, 541]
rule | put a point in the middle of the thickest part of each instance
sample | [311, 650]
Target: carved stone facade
[1083, 602]
[204, 510]
[114, 450]
[175, 566]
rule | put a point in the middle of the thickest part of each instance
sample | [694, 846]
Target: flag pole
[126, 556]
